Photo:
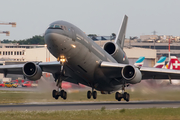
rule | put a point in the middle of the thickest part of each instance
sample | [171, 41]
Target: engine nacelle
[131, 74]
[116, 52]
[32, 71]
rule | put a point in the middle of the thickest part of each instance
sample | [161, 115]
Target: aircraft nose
[56, 43]
[50, 38]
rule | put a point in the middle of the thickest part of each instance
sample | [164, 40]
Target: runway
[90, 105]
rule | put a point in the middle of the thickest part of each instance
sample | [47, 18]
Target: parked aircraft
[160, 63]
[139, 62]
[174, 63]
[81, 60]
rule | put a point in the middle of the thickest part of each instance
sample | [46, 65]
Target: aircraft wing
[147, 72]
[159, 73]
[51, 67]
[11, 69]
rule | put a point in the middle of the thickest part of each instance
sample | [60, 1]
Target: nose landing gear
[60, 92]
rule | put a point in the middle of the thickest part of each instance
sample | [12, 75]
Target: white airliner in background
[81, 60]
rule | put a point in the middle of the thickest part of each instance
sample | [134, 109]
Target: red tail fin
[174, 63]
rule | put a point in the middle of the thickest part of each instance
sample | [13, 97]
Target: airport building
[15, 52]
[162, 48]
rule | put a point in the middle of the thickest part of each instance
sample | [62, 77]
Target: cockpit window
[57, 27]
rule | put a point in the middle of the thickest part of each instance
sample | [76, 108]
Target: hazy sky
[101, 17]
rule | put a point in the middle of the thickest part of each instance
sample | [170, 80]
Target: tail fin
[160, 62]
[174, 63]
[139, 62]
[121, 34]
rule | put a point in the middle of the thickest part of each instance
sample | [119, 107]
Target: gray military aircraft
[81, 60]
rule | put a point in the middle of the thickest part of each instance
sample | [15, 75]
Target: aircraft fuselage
[83, 55]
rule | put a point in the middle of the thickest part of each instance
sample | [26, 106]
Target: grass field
[103, 114]
[138, 94]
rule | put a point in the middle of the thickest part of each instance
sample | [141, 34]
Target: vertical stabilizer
[121, 34]
[174, 63]
[139, 62]
[160, 63]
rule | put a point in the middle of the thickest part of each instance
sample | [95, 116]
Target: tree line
[34, 40]
[38, 40]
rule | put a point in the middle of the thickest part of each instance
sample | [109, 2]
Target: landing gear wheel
[126, 96]
[56, 97]
[89, 94]
[53, 93]
[117, 95]
[94, 94]
[119, 99]
[63, 94]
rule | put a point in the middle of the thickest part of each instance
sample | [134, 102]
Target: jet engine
[32, 71]
[115, 51]
[131, 74]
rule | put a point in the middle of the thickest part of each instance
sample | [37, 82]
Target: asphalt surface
[90, 105]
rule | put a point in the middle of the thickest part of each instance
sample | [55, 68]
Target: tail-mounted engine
[115, 51]
[32, 71]
[131, 74]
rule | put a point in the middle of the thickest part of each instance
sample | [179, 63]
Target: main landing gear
[57, 94]
[93, 93]
[124, 95]
[58, 79]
